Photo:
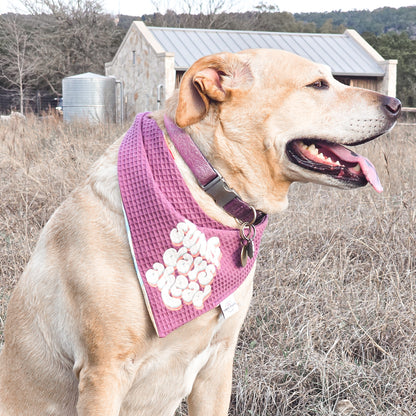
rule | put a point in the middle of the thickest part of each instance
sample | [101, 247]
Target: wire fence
[408, 116]
[34, 101]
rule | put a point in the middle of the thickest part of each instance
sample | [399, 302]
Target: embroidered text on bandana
[187, 263]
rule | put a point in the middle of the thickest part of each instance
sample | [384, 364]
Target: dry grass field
[332, 326]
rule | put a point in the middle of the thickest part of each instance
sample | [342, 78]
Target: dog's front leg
[101, 391]
[105, 371]
[211, 391]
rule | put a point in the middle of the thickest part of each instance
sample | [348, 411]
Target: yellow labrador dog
[79, 339]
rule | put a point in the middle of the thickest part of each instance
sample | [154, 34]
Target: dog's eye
[319, 85]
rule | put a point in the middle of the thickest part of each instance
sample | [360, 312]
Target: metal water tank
[89, 97]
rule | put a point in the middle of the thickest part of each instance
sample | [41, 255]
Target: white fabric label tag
[229, 306]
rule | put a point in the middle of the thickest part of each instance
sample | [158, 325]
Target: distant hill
[379, 21]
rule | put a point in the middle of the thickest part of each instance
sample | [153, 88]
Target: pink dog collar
[208, 178]
[186, 263]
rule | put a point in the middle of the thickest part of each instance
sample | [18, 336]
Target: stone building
[151, 60]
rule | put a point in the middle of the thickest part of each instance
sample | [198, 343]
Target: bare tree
[208, 7]
[19, 64]
[77, 36]
[192, 13]
[56, 39]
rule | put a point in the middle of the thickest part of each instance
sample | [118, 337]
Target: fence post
[38, 103]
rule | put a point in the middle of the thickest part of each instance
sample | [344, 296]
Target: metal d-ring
[251, 231]
[254, 216]
[250, 226]
[249, 222]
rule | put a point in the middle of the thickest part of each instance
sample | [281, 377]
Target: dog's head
[265, 118]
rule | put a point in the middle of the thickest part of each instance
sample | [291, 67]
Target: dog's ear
[209, 79]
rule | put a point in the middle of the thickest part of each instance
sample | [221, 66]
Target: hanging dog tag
[247, 234]
[247, 251]
[243, 255]
[250, 248]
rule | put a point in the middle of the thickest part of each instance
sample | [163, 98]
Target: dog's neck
[209, 179]
[205, 201]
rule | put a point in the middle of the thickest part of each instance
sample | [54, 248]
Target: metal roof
[340, 51]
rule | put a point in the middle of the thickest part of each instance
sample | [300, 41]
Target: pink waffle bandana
[186, 263]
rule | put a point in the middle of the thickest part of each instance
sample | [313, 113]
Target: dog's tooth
[329, 160]
[357, 168]
[313, 149]
[337, 163]
[321, 156]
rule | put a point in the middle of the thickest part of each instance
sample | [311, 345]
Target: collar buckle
[220, 191]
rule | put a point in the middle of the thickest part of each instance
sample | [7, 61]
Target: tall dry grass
[41, 161]
[331, 329]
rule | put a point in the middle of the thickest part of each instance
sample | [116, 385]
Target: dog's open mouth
[335, 160]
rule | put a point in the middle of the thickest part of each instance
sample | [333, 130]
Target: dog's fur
[79, 340]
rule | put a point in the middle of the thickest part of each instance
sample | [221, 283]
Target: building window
[179, 75]
[134, 57]
[343, 80]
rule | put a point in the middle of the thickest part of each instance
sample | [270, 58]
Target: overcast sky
[140, 7]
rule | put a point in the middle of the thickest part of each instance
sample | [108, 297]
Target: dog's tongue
[366, 166]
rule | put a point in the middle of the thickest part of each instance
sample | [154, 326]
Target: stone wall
[143, 68]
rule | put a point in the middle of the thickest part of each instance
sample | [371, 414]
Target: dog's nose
[392, 106]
